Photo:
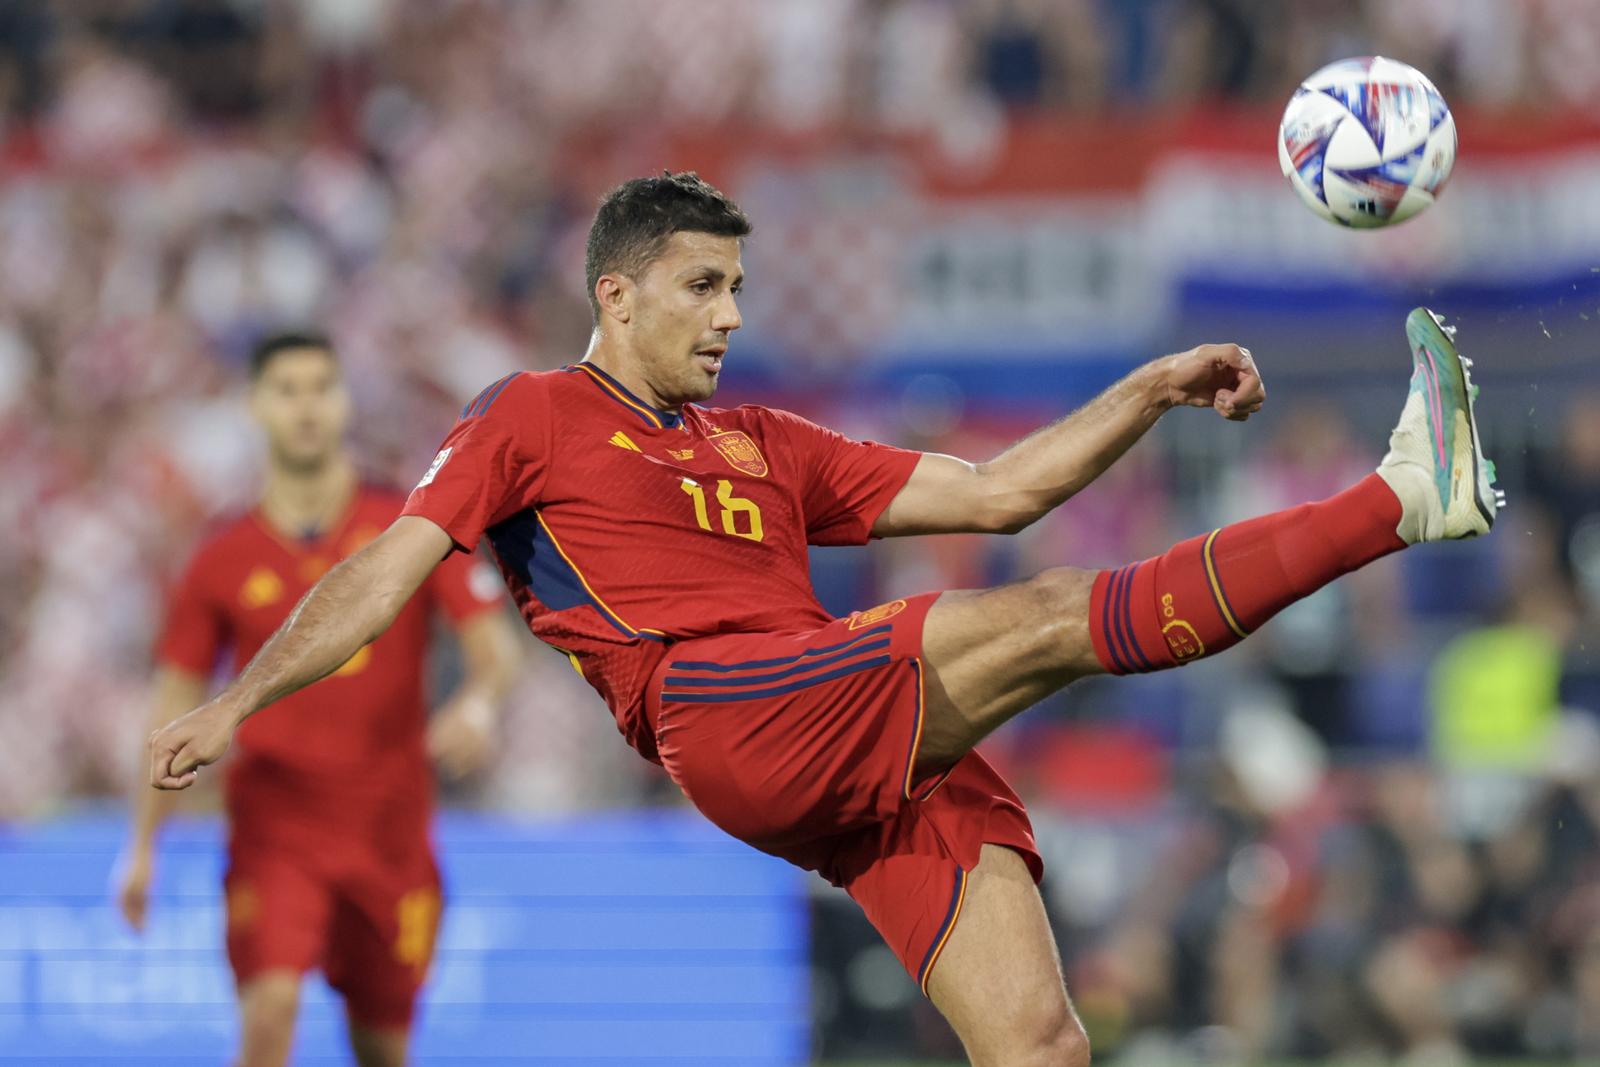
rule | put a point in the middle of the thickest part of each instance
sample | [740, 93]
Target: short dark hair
[274, 345]
[637, 218]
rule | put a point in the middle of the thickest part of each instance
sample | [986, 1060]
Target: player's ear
[615, 292]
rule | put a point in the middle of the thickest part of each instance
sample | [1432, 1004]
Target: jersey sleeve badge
[858, 619]
[433, 471]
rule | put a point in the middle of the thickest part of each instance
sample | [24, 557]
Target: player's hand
[133, 884]
[1223, 377]
[461, 735]
[189, 742]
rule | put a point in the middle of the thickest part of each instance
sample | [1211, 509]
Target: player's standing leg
[380, 944]
[378, 1046]
[268, 1004]
[998, 979]
[992, 654]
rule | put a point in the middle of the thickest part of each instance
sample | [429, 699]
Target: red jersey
[620, 528]
[364, 724]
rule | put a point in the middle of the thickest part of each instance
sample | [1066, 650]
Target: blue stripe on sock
[1105, 625]
[1118, 592]
[1127, 615]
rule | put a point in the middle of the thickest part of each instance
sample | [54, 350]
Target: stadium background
[1372, 832]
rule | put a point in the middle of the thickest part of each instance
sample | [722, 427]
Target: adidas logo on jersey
[622, 440]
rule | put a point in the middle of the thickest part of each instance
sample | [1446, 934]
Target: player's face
[684, 308]
[301, 403]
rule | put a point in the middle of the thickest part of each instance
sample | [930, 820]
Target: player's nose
[725, 315]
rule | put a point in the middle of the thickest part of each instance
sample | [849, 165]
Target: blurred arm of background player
[174, 692]
[1039, 472]
[461, 734]
[460, 738]
[352, 604]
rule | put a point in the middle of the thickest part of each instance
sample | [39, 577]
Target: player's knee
[268, 1023]
[1060, 590]
[1053, 1037]
[1069, 1044]
[1060, 597]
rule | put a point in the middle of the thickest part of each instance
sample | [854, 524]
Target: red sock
[1210, 592]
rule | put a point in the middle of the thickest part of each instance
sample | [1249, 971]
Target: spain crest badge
[740, 452]
[858, 619]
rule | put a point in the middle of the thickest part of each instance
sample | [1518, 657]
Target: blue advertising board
[638, 938]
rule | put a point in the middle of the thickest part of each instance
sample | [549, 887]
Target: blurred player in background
[330, 862]
[662, 546]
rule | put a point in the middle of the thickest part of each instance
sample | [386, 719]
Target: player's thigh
[268, 1003]
[278, 906]
[991, 653]
[998, 980]
[381, 944]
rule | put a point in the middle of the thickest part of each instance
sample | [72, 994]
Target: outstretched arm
[1039, 472]
[352, 604]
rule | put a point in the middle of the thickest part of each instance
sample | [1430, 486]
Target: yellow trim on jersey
[916, 737]
[1216, 587]
[587, 587]
[655, 420]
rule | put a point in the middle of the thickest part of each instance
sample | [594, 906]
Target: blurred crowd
[179, 176]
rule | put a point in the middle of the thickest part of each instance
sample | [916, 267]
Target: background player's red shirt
[363, 726]
[620, 528]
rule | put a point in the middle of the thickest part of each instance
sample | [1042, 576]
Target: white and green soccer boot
[1435, 464]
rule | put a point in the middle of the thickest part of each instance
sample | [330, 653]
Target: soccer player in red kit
[328, 801]
[661, 545]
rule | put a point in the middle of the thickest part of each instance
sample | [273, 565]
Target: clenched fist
[1223, 377]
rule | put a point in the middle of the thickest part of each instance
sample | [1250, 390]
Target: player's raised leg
[993, 653]
[268, 1004]
[998, 980]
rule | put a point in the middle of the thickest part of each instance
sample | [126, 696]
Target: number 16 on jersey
[733, 507]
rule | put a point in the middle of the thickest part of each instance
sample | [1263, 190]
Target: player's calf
[1209, 593]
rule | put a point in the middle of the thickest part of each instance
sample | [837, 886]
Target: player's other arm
[175, 691]
[352, 604]
[461, 735]
[1016, 488]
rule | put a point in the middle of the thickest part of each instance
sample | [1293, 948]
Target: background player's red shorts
[802, 744]
[362, 909]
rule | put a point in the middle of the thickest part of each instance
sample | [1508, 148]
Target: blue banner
[639, 938]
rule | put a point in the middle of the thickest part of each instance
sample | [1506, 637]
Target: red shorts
[298, 900]
[802, 744]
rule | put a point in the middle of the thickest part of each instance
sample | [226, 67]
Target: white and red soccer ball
[1367, 142]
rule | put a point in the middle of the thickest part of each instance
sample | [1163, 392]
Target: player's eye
[701, 287]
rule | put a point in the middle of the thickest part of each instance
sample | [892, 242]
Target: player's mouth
[711, 358]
